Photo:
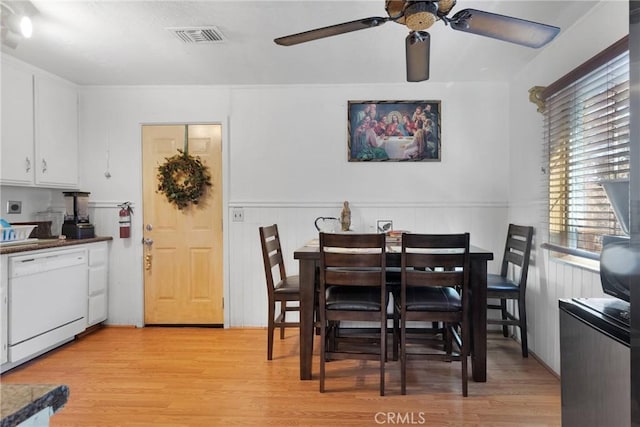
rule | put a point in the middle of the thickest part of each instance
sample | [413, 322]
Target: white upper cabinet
[56, 133]
[39, 144]
[17, 154]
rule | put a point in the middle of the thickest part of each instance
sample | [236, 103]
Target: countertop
[49, 243]
[19, 402]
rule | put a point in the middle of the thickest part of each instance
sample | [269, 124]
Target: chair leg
[396, 333]
[283, 316]
[522, 315]
[383, 352]
[270, 329]
[323, 349]
[332, 336]
[316, 307]
[447, 338]
[465, 366]
[403, 357]
[503, 309]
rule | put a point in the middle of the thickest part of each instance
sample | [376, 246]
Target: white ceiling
[126, 42]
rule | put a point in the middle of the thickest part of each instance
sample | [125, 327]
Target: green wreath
[183, 179]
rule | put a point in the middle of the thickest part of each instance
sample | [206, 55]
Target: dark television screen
[619, 264]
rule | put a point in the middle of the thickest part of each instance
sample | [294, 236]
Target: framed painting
[397, 131]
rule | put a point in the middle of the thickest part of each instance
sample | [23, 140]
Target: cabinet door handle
[27, 164]
[44, 165]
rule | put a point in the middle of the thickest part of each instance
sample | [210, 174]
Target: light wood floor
[214, 377]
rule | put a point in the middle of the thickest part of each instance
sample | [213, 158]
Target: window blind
[586, 141]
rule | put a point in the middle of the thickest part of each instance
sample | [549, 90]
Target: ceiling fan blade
[418, 44]
[332, 30]
[507, 28]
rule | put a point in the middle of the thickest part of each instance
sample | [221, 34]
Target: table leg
[479, 319]
[307, 295]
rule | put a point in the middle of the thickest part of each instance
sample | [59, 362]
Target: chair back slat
[434, 278]
[272, 243]
[517, 243]
[353, 240]
[431, 260]
[514, 258]
[353, 277]
[433, 241]
[332, 259]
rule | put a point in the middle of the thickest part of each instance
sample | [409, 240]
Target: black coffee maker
[76, 218]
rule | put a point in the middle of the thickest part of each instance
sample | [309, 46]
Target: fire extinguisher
[125, 219]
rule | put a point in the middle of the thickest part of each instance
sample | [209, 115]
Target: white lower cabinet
[48, 296]
[98, 279]
[4, 329]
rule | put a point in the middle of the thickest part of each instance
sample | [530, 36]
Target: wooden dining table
[308, 257]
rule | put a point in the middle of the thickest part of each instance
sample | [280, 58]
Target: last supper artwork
[394, 130]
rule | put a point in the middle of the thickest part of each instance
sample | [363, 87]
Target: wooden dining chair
[511, 283]
[434, 287]
[281, 288]
[352, 288]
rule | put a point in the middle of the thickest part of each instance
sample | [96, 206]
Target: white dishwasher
[47, 301]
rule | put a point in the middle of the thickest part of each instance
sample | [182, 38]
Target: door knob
[147, 241]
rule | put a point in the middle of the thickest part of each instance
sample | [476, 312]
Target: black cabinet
[595, 362]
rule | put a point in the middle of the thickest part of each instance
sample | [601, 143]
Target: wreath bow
[183, 179]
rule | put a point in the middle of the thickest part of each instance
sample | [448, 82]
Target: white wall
[550, 280]
[300, 132]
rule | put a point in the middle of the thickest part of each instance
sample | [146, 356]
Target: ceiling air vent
[198, 34]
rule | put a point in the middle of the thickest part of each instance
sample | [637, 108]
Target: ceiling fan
[420, 15]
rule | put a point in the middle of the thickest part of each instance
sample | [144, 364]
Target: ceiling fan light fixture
[417, 56]
[14, 26]
[420, 15]
[26, 27]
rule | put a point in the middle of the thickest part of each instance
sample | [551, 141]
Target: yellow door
[183, 250]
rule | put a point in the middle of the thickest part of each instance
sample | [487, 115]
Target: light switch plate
[14, 207]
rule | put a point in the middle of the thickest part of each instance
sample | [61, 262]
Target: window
[586, 126]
